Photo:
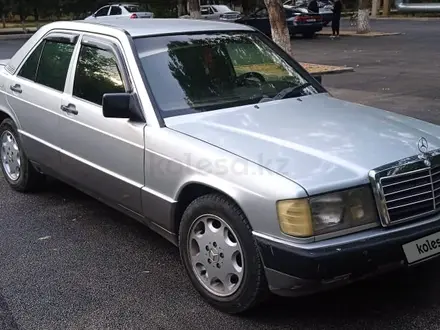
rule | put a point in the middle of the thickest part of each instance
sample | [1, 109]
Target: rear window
[133, 9]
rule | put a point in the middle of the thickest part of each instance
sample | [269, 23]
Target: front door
[104, 156]
[260, 21]
[35, 95]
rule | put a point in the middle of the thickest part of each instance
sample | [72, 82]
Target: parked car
[214, 137]
[217, 12]
[325, 8]
[120, 11]
[299, 21]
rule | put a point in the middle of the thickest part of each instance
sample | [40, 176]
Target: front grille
[407, 191]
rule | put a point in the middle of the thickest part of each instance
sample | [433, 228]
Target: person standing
[313, 6]
[336, 19]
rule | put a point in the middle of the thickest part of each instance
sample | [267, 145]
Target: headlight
[327, 213]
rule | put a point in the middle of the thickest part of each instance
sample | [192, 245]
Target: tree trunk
[363, 23]
[278, 24]
[4, 20]
[181, 8]
[36, 15]
[194, 8]
[386, 8]
[246, 6]
[374, 7]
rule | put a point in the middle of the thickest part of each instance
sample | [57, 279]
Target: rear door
[35, 95]
[104, 156]
[115, 12]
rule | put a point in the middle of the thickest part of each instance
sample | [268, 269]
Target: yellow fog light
[295, 217]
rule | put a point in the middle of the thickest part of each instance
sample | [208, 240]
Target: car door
[102, 13]
[260, 21]
[103, 156]
[115, 12]
[205, 12]
[35, 94]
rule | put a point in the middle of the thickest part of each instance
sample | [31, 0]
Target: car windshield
[206, 72]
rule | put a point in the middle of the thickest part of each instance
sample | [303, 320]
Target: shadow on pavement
[392, 296]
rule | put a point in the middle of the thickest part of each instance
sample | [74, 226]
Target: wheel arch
[195, 189]
[8, 115]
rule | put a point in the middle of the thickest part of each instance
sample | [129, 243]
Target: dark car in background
[325, 8]
[299, 21]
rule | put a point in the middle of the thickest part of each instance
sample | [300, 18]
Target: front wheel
[16, 168]
[220, 254]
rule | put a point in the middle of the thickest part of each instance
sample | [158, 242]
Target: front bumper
[294, 269]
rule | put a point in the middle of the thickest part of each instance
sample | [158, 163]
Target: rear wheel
[16, 168]
[220, 254]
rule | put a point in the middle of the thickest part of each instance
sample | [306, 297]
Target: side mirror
[116, 105]
[122, 105]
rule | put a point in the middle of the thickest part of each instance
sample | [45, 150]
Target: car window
[215, 9]
[133, 9]
[96, 73]
[116, 10]
[102, 12]
[245, 58]
[29, 68]
[211, 71]
[262, 13]
[204, 11]
[54, 64]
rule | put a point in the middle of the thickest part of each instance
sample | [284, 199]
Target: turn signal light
[295, 217]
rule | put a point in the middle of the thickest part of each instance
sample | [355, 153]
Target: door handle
[16, 88]
[70, 108]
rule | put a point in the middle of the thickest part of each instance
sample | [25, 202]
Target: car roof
[155, 26]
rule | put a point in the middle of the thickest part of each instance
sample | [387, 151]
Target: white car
[217, 13]
[120, 10]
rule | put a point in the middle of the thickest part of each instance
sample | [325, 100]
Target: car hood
[318, 141]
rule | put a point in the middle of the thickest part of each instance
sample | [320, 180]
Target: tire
[28, 179]
[249, 290]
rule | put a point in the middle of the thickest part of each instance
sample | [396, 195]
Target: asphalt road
[68, 262]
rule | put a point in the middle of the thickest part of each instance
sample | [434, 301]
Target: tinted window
[116, 10]
[54, 64]
[262, 13]
[204, 11]
[97, 73]
[210, 71]
[102, 12]
[29, 68]
[133, 9]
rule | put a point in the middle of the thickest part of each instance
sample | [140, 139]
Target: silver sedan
[211, 135]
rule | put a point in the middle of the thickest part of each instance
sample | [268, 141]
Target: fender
[5, 109]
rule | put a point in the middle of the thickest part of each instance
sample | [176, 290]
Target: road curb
[324, 69]
[365, 35]
[417, 19]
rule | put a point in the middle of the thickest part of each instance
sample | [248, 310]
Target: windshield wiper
[286, 92]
